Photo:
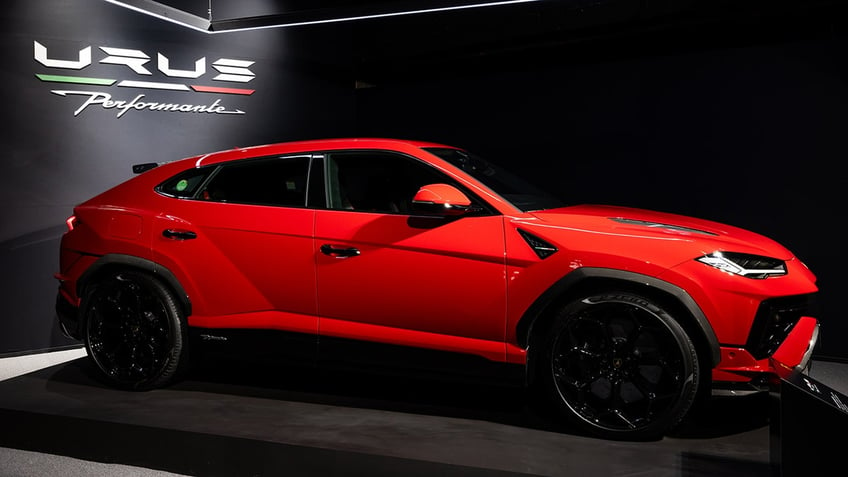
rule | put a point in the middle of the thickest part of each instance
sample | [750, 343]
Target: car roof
[314, 145]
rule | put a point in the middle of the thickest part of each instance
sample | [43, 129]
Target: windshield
[520, 193]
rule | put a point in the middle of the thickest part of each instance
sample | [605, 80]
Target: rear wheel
[619, 367]
[134, 331]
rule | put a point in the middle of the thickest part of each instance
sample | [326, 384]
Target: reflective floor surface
[234, 418]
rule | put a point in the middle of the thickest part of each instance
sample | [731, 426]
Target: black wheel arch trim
[525, 324]
[131, 261]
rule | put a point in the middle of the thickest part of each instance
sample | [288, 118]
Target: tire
[134, 331]
[617, 366]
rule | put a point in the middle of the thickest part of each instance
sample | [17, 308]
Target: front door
[387, 275]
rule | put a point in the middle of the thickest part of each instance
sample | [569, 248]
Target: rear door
[244, 240]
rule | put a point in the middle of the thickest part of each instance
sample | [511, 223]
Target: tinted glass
[520, 193]
[185, 184]
[377, 181]
[277, 181]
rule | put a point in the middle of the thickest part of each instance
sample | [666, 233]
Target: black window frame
[482, 208]
[212, 171]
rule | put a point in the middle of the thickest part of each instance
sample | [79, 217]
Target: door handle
[339, 252]
[179, 234]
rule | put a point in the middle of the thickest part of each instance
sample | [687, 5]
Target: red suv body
[623, 317]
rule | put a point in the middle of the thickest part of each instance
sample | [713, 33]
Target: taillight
[71, 222]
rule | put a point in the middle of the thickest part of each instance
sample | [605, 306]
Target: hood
[693, 234]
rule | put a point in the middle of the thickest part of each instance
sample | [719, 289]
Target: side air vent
[543, 249]
[775, 319]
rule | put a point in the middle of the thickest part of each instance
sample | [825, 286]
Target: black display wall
[58, 151]
[740, 122]
[750, 133]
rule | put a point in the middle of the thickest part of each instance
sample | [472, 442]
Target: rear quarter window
[186, 184]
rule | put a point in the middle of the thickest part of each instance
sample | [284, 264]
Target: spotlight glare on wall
[194, 22]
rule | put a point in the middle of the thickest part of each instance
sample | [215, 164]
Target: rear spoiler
[139, 168]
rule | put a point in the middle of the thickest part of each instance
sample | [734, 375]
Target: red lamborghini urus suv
[622, 317]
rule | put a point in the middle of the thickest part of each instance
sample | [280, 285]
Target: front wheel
[620, 367]
[134, 330]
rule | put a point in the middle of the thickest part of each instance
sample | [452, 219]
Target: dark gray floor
[278, 420]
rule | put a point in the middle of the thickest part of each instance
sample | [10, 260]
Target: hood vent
[657, 225]
[543, 249]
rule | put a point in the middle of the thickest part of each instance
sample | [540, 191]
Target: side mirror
[441, 199]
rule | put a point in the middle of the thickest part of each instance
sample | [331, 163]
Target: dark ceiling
[385, 42]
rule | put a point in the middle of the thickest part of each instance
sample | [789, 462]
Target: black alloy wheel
[134, 331]
[619, 367]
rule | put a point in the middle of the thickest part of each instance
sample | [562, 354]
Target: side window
[377, 181]
[280, 181]
[185, 184]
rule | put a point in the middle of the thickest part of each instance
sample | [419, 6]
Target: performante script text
[105, 101]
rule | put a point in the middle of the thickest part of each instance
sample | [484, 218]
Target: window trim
[324, 156]
[486, 208]
[218, 167]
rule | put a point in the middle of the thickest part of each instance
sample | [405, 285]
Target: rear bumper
[740, 373]
[68, 315]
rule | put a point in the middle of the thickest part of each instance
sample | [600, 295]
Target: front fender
[581, 276]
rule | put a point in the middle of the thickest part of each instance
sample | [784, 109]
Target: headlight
[746, 265]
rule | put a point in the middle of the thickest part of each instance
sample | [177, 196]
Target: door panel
[241, 238]
[250, 266]
[440, 280]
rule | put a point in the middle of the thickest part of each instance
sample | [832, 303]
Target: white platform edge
[19, 365]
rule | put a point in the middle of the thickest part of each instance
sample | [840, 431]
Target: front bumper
[740, 373]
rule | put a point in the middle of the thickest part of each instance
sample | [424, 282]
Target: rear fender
[121, 261]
